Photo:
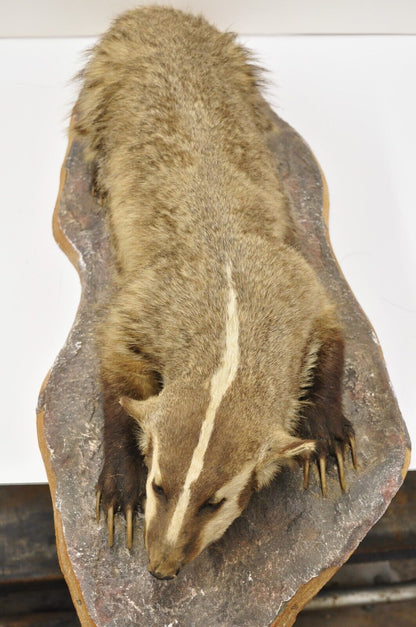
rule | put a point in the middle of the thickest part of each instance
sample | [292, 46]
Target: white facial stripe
[153, 475]
[230, 509]
[220, 382]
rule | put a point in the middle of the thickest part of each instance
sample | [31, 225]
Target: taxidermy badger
[221, 354]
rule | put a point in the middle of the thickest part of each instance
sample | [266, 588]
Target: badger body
[221, 354]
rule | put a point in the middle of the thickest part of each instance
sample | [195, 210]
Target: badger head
[215, 435]
[201, 471]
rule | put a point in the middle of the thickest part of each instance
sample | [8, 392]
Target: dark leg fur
[125, 371]
[322, 415]
[122, 481]
[122, 478]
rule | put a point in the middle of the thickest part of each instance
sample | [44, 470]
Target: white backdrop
[352, 98]
[61, 18]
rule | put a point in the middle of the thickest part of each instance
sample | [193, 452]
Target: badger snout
[159, 574]
[164, 571]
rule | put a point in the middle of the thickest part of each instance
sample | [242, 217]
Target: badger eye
[157, 489]
[211, 506]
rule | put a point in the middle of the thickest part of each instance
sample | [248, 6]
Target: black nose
[162, 577]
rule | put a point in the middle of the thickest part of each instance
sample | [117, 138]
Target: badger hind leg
[321, 415]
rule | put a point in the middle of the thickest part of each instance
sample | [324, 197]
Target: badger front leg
[322, 418]
[124, 371]
[121, 485]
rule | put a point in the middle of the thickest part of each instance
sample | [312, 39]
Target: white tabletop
[352, 98]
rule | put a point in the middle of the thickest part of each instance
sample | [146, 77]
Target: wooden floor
[33, 591]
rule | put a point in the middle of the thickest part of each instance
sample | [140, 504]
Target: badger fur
[221, 354]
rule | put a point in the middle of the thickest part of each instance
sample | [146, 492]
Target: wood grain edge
[63, 558]
[309, 590]
[291, 609]
[59, 236]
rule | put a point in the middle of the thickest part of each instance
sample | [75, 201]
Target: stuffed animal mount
[220, 376]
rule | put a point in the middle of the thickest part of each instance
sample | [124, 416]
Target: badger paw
[333, 438]
[322, 416]
[120, 488]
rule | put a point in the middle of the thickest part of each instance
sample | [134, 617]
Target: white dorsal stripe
[220, 382]
[153, 475]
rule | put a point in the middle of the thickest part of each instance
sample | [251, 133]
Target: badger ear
[291, 446]
[140, 410]
[284, 448]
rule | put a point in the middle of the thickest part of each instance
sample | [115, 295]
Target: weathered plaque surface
[288, 542]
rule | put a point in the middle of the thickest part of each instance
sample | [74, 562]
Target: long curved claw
[322, 472]
[353, 451]
[129, 533]
[110, 524]
[306, 466]
[97, 506]
[341, 472]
